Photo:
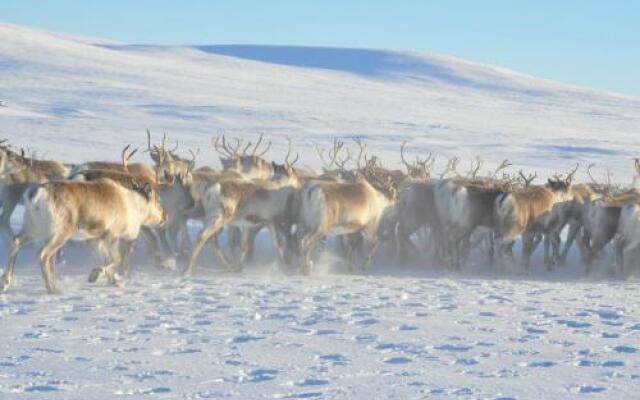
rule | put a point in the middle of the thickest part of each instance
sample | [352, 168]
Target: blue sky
[589, 43]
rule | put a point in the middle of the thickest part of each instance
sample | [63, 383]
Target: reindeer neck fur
[620, 199]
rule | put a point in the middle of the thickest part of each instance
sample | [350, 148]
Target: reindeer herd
[448, 216]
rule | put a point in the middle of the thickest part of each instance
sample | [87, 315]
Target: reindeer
[462, 206]
[529, 212]
[167, 162]
[142, 171]
[329, 173]
[416, 210]
[420, 169]
[601, 218]
[249, 164]
[342, 208]
[100, 212]
[162, 241]
[627, 243]
[17, 173]
[250, 204]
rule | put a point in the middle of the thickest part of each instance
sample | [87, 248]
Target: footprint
[541, 364]
[336, 359]
[466, 361]
[42, 388]
[304, 395]
[157, 390]
[573, 324]
[456, 348]
[246, 338]
[262, 375]
[613, 364]
[586, 389]
[312, 382]
[398, 360]
[625, 349]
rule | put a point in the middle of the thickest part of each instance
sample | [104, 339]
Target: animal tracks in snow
[256, 336]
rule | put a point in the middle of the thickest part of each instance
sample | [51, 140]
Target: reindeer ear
[273, 164]
[146, 189]
[549, 181]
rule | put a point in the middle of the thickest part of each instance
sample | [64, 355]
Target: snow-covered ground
[392, 332]
[266, 334]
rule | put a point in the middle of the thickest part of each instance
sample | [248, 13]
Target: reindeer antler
[527, 179]
[408, 166]
[126, 157]
[571, 174]
[503, 165]
[590, 175]
[363, 148]
[286, 159]
[473, 171]
[222, 148]
[452, 166]
[333, 153]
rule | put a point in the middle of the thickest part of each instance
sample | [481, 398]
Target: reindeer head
[10, 161]
[155, 212]
[247, 162]
[560, 183]
[286, 171]
[168, 164]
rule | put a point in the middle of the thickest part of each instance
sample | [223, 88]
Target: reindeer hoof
[117, 281]
[54, 291]
[96, 273]
[170, 263]
[187, 273]
[5, 282]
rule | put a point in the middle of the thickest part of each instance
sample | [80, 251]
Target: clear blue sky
[590, 43]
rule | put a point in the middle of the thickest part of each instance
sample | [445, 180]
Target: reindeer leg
[597, 244]
[307, 245]
[203, 237]
[253, 232]
[247, 237]
[547, 257]
[556, 242]
[116, 258]
[125, 264]
[276, 238]
[9, 276]
[402, 240]
[47, 256]
[100, 247]
[574, 227]
[491, 251]
[10, 197]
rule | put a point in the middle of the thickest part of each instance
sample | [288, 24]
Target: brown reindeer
[420, 169]
[627, 244]
[248, 204]
[100, 212]
[463, 205]
[142, 171]
[529, 212]
[169, 164]
[416, 210]
[601, 217]
[17, 173]
[341, 208]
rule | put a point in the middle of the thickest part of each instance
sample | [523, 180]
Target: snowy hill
[66, 93]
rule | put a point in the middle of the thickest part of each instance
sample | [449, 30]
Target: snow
[266, 334]
[389, 332]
